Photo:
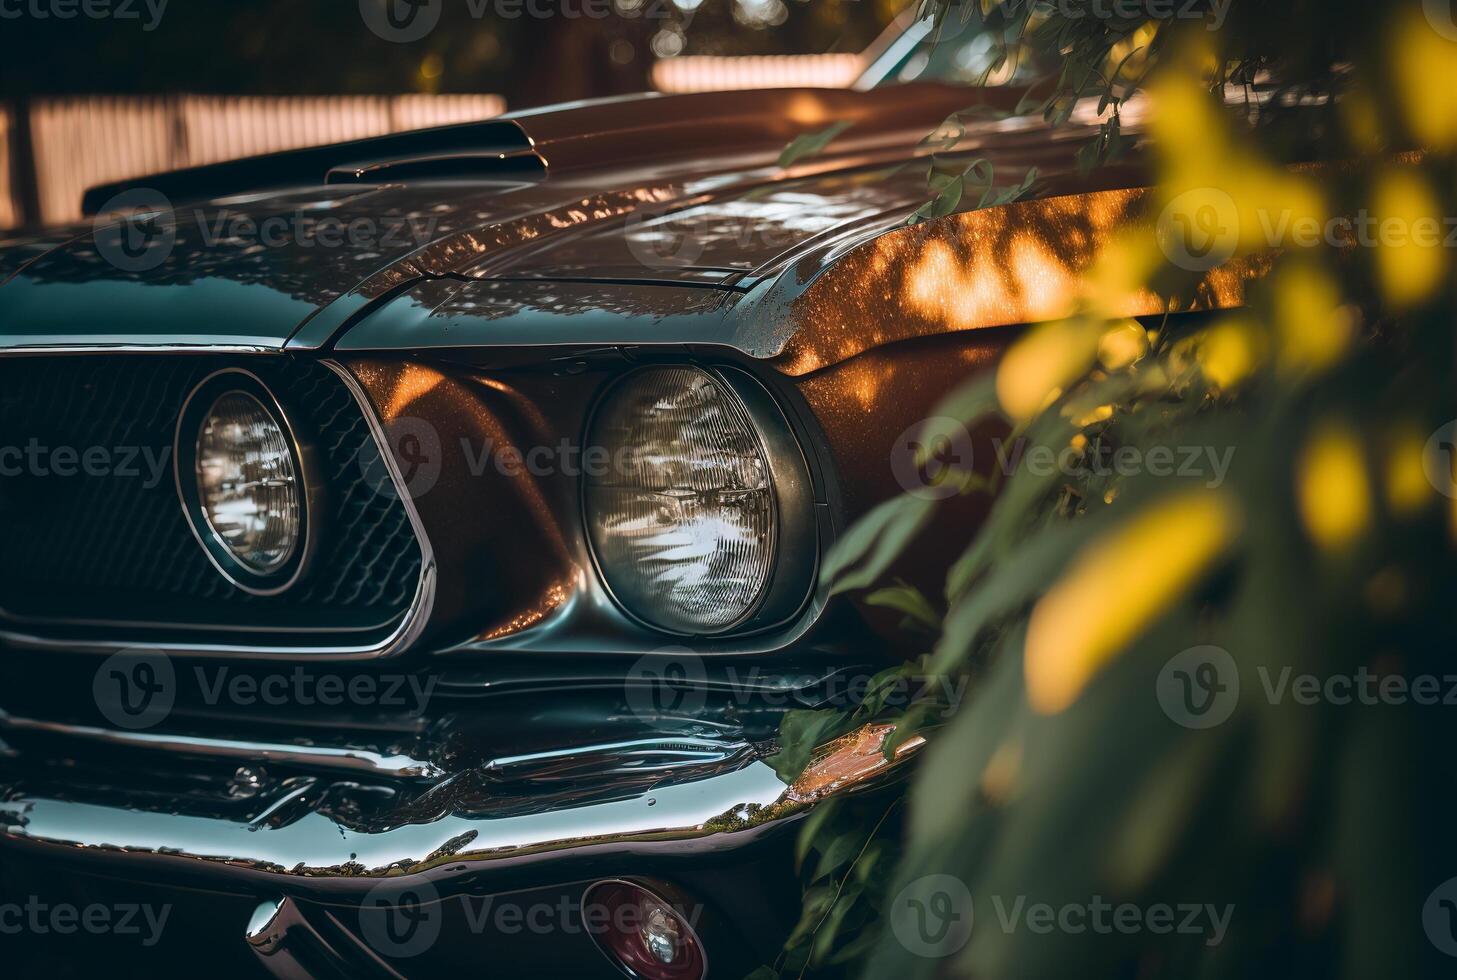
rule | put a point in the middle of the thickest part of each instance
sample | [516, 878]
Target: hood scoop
[520, 166]
[494, 150]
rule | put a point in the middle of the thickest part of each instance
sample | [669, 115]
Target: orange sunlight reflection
[1026, 262]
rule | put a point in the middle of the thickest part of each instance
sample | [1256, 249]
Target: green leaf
[1019, 498]
[813, 824]
[763, 973]
[856, 948]
[801, 731]
[816, 903]
[906, 726]
[909, 600]
[946, 135]
[1022, 576]
[1009, 194]
[1059, 109]
[874, 542]
[846, 905]
[811, 144]
[882, 686]
[838, 853]
[943, 203]
[869, 861]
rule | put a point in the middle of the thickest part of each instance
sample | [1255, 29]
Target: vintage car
[411, 545]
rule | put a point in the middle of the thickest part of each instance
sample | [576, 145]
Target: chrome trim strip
[351, 760]
[317, 853]
[406, 632]
[22, 350]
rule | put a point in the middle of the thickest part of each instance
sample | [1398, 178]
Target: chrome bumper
[293, 844]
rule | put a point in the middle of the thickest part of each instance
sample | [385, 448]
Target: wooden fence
[76, 143]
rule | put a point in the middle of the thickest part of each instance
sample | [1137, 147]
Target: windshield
[961, 53]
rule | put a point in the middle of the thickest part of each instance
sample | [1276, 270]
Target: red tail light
[643, 934]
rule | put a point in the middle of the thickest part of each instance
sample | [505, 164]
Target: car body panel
[268, 268]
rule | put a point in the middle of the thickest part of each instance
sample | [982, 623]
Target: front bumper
[312, 835]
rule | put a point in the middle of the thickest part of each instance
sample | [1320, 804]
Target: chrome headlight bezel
[795, 548]
[195, 410]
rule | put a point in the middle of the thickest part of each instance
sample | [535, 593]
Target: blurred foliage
[1326, 550]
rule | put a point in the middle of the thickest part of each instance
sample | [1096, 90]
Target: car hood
[682, 190]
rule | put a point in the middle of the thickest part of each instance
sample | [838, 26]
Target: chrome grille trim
[406, 632]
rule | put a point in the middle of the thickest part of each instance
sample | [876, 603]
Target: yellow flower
[1229, 351]
[1410, 260]
[1407, 487]
[1312, 329]
[1100, 414]
[1116, 587]
[1425, 67]
[1041, 363]
[1227, 200]
[1120, 272]
[1123, 343]
[1331, 487]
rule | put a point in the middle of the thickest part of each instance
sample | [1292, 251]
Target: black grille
[110, 543]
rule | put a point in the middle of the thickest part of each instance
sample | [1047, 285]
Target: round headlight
[248, 482]
[682, 515]
[243, 480]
